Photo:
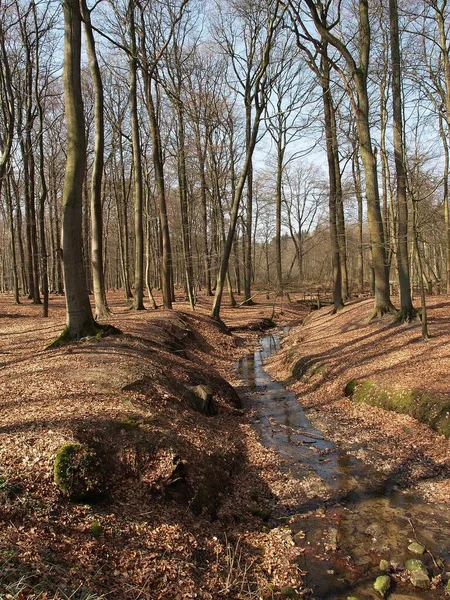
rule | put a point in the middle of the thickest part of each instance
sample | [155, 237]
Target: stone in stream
[420, 580]
[416, 548]
[382, 585]
[418, 573]
[384, 565]
[414, 564]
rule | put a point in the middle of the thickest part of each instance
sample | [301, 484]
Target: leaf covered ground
[158, 532]
[213, 529]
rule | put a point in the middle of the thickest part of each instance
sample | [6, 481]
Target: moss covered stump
[78, 472]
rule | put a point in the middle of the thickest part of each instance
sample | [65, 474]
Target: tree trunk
[249, 212]
[359, 199]
[98, 276]
[407, 311]
[338, 302]
[80, 321]
[137, 169]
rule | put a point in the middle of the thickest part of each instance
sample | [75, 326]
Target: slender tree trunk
[137, 169]
[203, 203]
[249, 213]
[215, 313]
[80, 321]
[446, 198]
[166, 275]
[98, 276]
[407, 311]
[9, 204]
[359, 199]
[278, 202]
[338, 302]
[182, 184]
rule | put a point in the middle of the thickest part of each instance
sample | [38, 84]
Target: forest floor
[192, 499]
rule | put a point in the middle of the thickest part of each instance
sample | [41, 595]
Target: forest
[224, 299]
[252, 145]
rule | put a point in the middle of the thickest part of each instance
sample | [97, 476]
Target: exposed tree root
[406, 315]
[337, 308]
[380, 311]
[96, 330]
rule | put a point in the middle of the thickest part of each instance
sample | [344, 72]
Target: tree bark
[338, 302]
[137, 169]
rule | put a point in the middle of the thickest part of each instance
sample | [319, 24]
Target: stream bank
[354, 516]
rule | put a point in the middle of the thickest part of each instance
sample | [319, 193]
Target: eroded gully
[361, 519]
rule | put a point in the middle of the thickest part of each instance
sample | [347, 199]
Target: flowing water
[363, 519]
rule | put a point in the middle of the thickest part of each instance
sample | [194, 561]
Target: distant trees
[187, 116]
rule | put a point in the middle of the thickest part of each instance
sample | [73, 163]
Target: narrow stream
[362, 519]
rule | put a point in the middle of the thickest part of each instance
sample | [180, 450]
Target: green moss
[96, 529]
[78, 472]
[423, 406]
[129, 422]
[253, 494]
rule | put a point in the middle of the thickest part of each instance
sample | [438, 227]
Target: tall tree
[80, 320]
[259, 93]
[98, 276]
[358, 63]
[406, 307]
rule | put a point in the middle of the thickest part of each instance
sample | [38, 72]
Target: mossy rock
[416, 548]
[78, 472]
[414, 564]
[382, 585]
[423, 406]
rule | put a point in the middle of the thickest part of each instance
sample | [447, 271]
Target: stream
[362, 520]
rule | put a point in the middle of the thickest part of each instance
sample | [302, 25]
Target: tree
[80, 321]
[358, 69]
[98, 276]
[407, 311]
[258, 92]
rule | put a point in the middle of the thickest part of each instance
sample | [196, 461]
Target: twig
[426, 549]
